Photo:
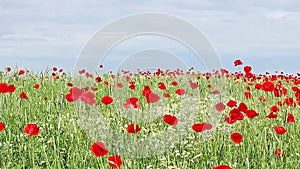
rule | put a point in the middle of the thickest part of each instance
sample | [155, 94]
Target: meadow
[216, 120]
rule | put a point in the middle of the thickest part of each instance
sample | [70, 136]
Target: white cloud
[59, 29]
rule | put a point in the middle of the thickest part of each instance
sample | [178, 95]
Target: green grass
[64, 143]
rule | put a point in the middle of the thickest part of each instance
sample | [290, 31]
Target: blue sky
[264, 34]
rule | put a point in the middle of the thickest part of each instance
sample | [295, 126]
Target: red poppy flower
[36, 86]
[220, 107]
[133, 129]
[274, 109]
[201, 127]
[247, 69]
[237, 62]
[158, 72]
[76, 91]
[289, 101]
[230, 120]
[98, 149]
[174, 83]
[114, 161]
[209, 86]
[280, 129]
[236, 114]
[290, 118]
[268, 86]
[272, 116]
[31, 129]
[243, 107]
[224, 71]
[222, 167]
[88, 75]
[2, 126]
[23, 96]
[216, 92]
[248, 95]
[279, 153]
[3, 88]
[107, 100]
[98, 79]
[70, 84]
[258, 86]
[231, 103]
[88, 98]
[251, 113]
[131, 102]
[21, 72]
[119, 85]
[152, 97]
[81, 71]
[279, 103]
[54, 69]
[180, 92]
[146, 90]
[162, 86]
[101, 66]
[11, 88]
[249, 75]
[194, 85]
[277, 92]
[237, 138]
[171, 120]
[8, 69]
[295, 89]
[71, 97]
[167, 95]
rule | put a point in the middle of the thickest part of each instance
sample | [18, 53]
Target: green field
[65, 134]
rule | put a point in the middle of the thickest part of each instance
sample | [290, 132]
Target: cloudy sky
[264, 34]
